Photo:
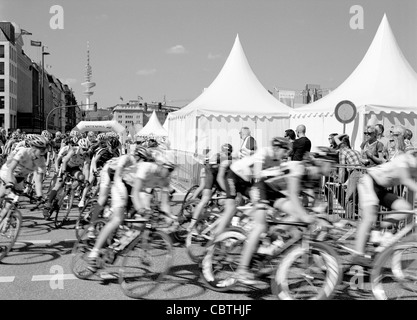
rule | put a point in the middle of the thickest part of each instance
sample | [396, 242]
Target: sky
[170, 50]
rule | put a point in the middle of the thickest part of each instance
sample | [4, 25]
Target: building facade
[134, 115]
[21, 85]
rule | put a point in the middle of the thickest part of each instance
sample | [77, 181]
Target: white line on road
[48, 277]
[7, 279]
[34, 241]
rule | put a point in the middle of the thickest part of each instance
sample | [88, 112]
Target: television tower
[88, 84]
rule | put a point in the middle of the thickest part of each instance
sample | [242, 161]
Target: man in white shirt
[248, 146]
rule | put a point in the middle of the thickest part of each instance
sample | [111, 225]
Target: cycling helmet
[91, 134]
[15, 135]
[75, 134]
[281, 142]
[325, 154]
[84, 143]
[227, 148]
[46, 134]
[112, 134]
[113, 143]
[101, 137]
[152, 143]
[38, 141]
[58, 134]
[74, 140]
[142, 153]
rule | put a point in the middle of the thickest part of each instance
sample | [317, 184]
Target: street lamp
[43, 88]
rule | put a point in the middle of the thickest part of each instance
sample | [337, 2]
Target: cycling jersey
[388, 174]
[77, 159]
[149, 173]
[26, 164]
[103, 155]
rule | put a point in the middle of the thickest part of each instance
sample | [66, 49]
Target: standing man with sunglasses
[372, 152]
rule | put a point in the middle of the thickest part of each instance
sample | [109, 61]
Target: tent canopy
[234, 99]
[383, 82]
[153, 128]
[99, 126]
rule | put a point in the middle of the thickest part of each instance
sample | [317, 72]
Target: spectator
[333, 144]
[408, 135]
[351, 159]
[372, 149]
[248, 146]
[300, 146]
[381, 138]
[290, 134]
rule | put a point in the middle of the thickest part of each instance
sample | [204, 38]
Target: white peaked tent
[234, 99]
[383, 88]
[153, 128]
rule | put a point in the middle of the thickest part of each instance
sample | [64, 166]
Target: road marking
[49, 277]
[7, 279]
[34, 241]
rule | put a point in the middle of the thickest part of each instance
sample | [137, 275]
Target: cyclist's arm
[119, 169]
[136, 199]
[221, 179]
[11, 166]
[86, 169]
[38, 177]
[407, 180]
[66, 159]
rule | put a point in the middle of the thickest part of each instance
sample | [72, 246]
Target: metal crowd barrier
[188, 170]
[342, 199]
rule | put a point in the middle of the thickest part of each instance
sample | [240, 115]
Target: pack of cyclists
[266, 179]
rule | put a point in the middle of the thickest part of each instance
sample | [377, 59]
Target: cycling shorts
[372, 194]
[235, 184]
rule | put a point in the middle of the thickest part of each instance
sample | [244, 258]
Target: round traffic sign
[345, 111]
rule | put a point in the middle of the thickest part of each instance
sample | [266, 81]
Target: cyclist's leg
[119, 202]
[199, 208]
[104, 189]
[368, 203]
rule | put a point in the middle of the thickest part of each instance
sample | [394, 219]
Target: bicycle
[146, 253]
[198, 238]
[63, 200]
[11, 223]
[223, 256]
[385, 257]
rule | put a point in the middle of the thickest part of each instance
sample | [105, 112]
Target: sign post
[345, 112]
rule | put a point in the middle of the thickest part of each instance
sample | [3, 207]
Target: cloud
[212, 56]
[146, 72]
[178, 49]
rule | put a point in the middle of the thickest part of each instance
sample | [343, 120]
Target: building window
[1, 51]
[2, 103]
[1, 67]
[1, 85]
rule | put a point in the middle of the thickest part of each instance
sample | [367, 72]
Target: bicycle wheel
[146, 262]
[84, 217]
[81, 250]
[307, 273]
[394, 275]
[9, 232]
[189, 194]
[221, 260]
[65, 206]
[197, 239]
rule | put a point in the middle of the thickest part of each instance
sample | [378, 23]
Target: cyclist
[219, 162]
[91, 135]
[131, 180]
[24, 162]
[373, 192]
[101, 156]
[280, 187]
[123, 164]
[76, 162]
